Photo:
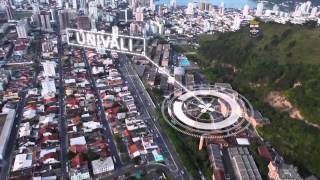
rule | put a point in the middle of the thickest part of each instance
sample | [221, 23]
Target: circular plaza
[209, 111]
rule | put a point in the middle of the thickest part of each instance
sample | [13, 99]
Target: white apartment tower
[259, 10]
[22, 28]
[93, 10]
[74, 4]
[115, 30]
[190, 8]
[221, 9]
[173, 3]
[236, 23]
[60, 3]
[139, 15]
[314, 12]
[245, 11]
[45, 20]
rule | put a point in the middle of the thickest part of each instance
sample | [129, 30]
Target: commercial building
[45, 21]
[84, 23]
[283, 172]
[49, 68]
[22, 161]
[63, 16]
[48, 87]
[6, 123]
[93, 10]
[22, 28]
[215, 157]
[102, 165]
[243, 164]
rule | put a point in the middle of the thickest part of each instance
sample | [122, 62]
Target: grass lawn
[22, 14]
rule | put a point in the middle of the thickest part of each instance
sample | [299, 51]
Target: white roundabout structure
[208, 111]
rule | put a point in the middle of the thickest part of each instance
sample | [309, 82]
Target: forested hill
[286, 60]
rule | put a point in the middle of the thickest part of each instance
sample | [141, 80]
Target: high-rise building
[152, 6]
[63, 16]
[243, 164]
[100, 3]
[84, 23]
[132, 4]
[283, 171]
[202, 6]
[113, 3]
[74, 4]
[93, 10]
[259, 10]
[83, 4]
[125, 15]
[115, 30]
[160, 27]
[59, 3]
[275, 8]
[93, 24]
[139, 15]
[35, 8]
[190, 8]
[22, 28]
[314, 12]
[307, 7]
[221, 10]
[245, 11]
[298, 11]
[6, 6]
[206, 26]
[173, 4]
[53, 16]
[236, 23]
[45, 20]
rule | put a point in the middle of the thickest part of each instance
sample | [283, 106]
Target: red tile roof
[264, 152]
[52, 137]
[78, 148]
[133, 148]
[126, 133]
[50, 155]
[76, 120]
[49, 100]
[77, 161]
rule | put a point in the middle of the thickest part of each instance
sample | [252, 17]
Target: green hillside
[285, 59]
[281, 43]
[284, 56]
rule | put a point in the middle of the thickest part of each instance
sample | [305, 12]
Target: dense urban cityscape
[140, 89]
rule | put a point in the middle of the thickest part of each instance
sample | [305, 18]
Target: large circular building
[208, 111]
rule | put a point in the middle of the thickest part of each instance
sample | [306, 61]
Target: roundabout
[208, 111]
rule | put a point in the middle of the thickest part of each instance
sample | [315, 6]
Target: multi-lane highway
[148, 113]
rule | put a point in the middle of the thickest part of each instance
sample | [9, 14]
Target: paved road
[62, 124]
[147, 110]
[107, 132]
[62, 121]
[10, 149]
[6, 163]
[133, 169]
